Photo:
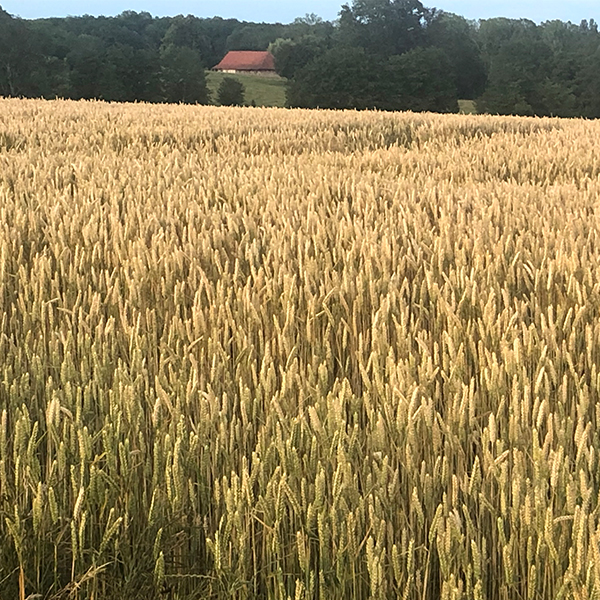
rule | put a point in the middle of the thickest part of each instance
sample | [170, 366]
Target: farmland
[263, 91]
[260, 353]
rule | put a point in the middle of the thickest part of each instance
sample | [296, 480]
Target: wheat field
[294, 355]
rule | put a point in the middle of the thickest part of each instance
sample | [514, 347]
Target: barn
[246, 61]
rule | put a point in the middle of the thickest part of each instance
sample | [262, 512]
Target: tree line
[383, 54]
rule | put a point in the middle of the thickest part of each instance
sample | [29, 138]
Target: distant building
[246, 61]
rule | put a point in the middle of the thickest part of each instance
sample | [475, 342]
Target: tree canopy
[384, 54]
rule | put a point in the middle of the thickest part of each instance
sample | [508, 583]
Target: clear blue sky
[286, 10]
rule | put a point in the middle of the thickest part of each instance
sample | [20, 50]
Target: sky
[284, 11]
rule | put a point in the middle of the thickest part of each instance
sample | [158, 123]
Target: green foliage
[547, 70]
[340, 78]
[421, 80]
[516, 56]
[457, 38]
[208, 37]
[186, 32]
[182, 76]
[310, 25]
[231, 92]
[259, 90]
[134, 74]
[135, 56]
[506, 66]
[379, 61]
[20, 58]
[87, 65]
[255, 36]
[291, 55]
[384, 27]
[588, 85]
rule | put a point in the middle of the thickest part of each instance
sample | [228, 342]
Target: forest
[378, 54]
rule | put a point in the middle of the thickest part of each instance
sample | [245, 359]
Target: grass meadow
[262, 91]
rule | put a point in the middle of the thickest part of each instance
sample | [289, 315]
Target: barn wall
[261, 73]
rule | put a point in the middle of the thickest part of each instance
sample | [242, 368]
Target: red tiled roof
[247, 61]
